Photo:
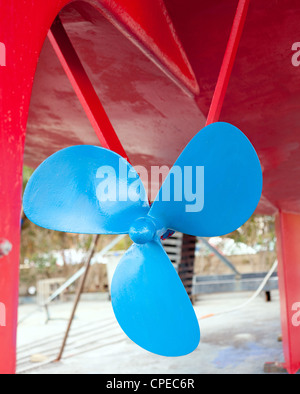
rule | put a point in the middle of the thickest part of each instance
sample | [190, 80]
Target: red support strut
[228, 62]
[288, 230]
[23, 29]
[84, 88]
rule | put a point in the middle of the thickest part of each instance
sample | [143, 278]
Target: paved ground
[239, 342]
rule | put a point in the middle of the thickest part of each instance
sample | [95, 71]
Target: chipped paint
[5, 247]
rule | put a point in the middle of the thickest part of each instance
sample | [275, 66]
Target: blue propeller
[212, 189]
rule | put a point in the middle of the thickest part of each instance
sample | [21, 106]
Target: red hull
[154, 65]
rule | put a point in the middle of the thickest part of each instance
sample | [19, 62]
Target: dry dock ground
[239, 342]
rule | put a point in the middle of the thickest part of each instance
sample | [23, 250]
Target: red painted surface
[84, 89]
[228, 62]
[288, 230]
[134, 92]
[23, 28]
[148, 23]
[155, 110]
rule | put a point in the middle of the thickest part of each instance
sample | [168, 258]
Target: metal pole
[228, 62]
[220, 256]
[79, 273]
[73, 279]
[78, 295]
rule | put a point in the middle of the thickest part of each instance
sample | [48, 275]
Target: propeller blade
[214, 186]
[151, 304]
[85, 189]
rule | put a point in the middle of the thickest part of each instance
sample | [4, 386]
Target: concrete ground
[234, 343]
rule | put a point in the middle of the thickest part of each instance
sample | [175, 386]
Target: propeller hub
[142, 231]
